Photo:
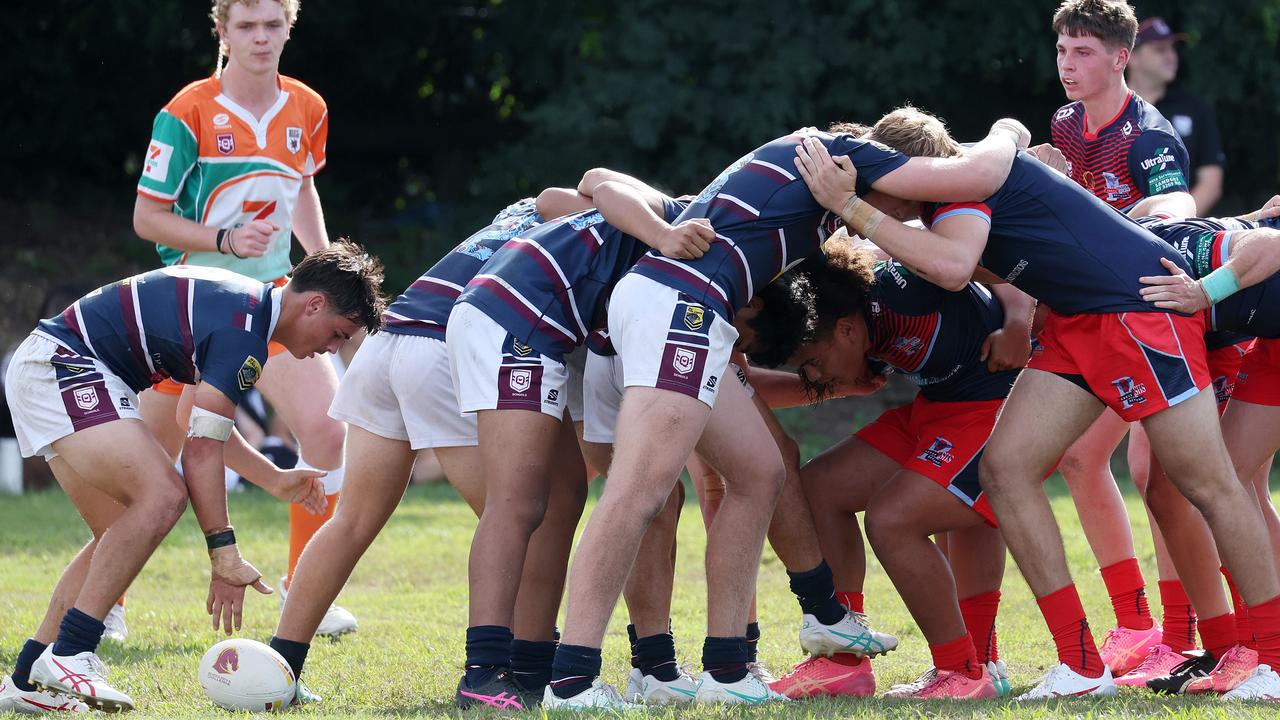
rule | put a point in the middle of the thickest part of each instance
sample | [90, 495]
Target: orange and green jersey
[222, 167]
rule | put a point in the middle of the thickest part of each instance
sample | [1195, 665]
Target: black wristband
[220, 539]
[222, 235]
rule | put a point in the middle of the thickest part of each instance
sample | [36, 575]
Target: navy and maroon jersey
[1205, 243]
[548, 286]
[765, 218]
[934, 336]
[1135, 155]
[423, 309]
[1061, 245]
[187, 323]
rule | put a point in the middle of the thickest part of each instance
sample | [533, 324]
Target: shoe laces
[610, 691]
[96, 665]
[862, 618]
[1150, 662]
[760, 672]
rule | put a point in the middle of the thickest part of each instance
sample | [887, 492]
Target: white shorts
[576, 362]
[54, 392]
[399, 387]
[494, 371]
[602, 387]
[668, 340]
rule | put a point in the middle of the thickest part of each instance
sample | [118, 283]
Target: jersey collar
[275, 311]
[259, 127]
[1094, 136]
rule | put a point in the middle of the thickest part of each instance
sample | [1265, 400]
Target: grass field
[410, 597]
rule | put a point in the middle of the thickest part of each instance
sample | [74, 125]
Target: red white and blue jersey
[1135, 155]
[1205, 243]
[1063, 246]
[765, 218]
[187, 323]
[934, 336]
[423, 309]
[548, 286]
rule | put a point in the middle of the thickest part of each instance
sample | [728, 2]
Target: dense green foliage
[443, 111]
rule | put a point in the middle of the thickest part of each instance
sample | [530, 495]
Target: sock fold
[1127, 589]
[1065, 617]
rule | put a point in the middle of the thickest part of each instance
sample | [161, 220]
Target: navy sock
[488, 651]
[816, 592]
[656, 656]
[753, 641]
[22, 668]
[531, 663]
[725, 658]
[631, 638]
[293, 652]
[78, 633]
[573, 669]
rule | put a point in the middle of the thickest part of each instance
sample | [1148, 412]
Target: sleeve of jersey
[316, 157]
[956, 209]
[872, 159]
[1158, 163]
[170, 157]
[233, 361]
[905, 292]
[672, 208]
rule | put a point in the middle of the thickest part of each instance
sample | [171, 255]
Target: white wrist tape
[205, 424]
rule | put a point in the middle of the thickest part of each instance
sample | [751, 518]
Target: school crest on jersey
[249, 373]
[226, 143]
[293, 139]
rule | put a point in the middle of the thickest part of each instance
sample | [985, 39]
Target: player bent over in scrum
[670, 321]
[1053, 240]
[78, 376]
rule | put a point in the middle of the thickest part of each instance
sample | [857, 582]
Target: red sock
[1179, 618]
[851, 600]
[1128, 594]
[1065, 617]
[979, 614]
[1244, 632]
[958, 656]
[1264, 620]
[1218, 634]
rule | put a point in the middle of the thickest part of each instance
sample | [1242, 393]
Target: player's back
[1065, 247]
[423, 308]
[158, 324]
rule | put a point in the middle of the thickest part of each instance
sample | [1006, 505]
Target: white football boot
[1263, 684]
[599, 695]
[82, 676]
[649, 690]
[1061, 681]
[36, 702]
[850, 635]
[116, 630]
[747, 691]
[336, 620]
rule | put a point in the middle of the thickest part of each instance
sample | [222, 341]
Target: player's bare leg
[1252, 434]
[1086, 466]
[648, 590]
[159, 411]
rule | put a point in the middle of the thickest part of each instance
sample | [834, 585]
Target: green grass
[409, 594]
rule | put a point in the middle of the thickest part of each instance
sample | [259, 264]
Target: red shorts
[1136, 363]
[1224, 369]
[1259, 378]
[942, 441]
[173, 387]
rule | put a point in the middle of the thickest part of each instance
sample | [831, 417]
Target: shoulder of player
[1064, 113]
[192, 97]
[302, 91]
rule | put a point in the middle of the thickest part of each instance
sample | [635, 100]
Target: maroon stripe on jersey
[69, 317]
[131, 325]
[552, 271]
[733, 208]
[681, 275]
[183, 288]
[589, 239]
[765, 171]
[432, 288]
[499, 291]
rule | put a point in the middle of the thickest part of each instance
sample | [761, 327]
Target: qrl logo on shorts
[683, 361]
[520, 380]
[1131, 393]
[938, 453]
[86, 398]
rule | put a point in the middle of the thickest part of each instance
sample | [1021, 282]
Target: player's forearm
[156, 222]
[555, 202]
[1254, 255]
[308, 219]
[627, 209]
[240, 456]
[935, 258]
[202, 463]
[779, 388]
[1173, 204]
[1019, 307]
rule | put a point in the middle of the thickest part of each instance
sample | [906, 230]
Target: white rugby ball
[241, 674]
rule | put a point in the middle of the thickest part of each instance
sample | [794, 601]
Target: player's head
[839, 283]
[331, 295]
[775, 321]
[910, 131]
[252, 33]
[1095, 38]
[1154, 57]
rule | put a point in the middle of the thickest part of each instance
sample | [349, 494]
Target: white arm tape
[205, 424]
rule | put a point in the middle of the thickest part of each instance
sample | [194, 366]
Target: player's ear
[755, 304]
[1122, 58]
[317, 303]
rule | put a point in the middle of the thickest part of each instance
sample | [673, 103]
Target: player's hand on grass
[1006, 349]
[831, 180]
[251, 239]
[1050, 155]
[1175, 291]
[230, 574]
[301, 486]
[689, 240]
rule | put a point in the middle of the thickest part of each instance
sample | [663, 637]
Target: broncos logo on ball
[228, 662]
